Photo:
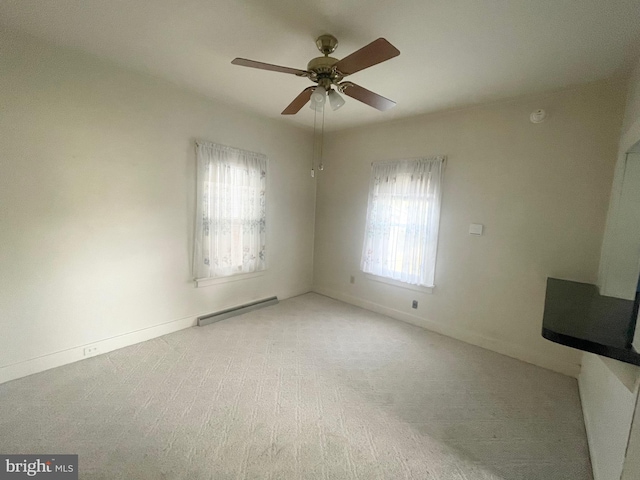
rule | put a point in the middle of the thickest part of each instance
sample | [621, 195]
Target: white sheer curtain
[401, 234]
[230, 231]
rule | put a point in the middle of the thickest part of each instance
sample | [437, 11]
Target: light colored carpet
[311, 388]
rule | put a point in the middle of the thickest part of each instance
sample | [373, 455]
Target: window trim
[387, 279]
[397, 283]
[198, 254]
[207, 282]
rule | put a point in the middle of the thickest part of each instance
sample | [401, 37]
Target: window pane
[231, 228]
[402, 220]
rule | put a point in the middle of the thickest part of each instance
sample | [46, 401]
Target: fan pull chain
[321, 166]
[313, 153]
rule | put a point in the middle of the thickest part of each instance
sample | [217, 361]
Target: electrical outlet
[91, 351]
[414, 304]
[352, 279]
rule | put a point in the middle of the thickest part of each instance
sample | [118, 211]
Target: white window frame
[222, 252]
[402, 225]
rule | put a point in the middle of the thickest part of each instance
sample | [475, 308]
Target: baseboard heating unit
[233, 311]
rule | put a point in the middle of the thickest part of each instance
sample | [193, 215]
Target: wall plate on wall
[475, 229]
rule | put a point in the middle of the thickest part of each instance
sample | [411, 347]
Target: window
[401, 234]
[230, 214]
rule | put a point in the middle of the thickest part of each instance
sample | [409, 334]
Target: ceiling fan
[329, 73]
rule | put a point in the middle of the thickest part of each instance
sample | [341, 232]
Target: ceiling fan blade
[267, 66]
[376, 52]
[298, 102]
[367, 96]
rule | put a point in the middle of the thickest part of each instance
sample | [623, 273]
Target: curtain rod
[205, 143]
[413, 159]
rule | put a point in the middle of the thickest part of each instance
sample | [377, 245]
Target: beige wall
[631, 123]
[541, 191]
[97, 180]
[608, 402]
[631, 470]
[620, 260]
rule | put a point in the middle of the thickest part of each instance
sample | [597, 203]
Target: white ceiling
[454, 52]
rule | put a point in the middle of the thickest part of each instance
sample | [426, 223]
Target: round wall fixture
[538, 116]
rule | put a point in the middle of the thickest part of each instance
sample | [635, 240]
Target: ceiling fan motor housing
[323, 71]
[322, 65]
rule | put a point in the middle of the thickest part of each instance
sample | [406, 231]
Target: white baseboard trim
[498, 346]
[71, 355]
[588, 426]
[74, 354]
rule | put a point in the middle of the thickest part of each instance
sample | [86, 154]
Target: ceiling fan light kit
[329, 72]
[318, 98]
[335, 100]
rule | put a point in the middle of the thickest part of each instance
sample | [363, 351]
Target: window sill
[396, 283]
[206, 282]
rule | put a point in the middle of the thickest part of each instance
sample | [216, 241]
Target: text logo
[52, 467]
